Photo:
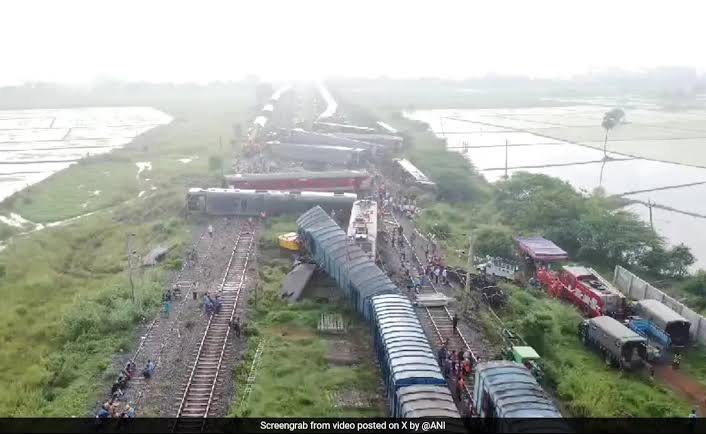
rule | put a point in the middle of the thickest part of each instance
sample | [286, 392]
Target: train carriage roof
[514, 390]
[541, 249]
[409, 335]
[397, 316]
[412, 374]
[329, 174]
[391, 298]
[426, 401]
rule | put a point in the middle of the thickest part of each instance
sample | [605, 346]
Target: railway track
[438, 320]
[199, 390]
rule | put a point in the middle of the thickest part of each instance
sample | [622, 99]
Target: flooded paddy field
[655, 156]
[34, 144]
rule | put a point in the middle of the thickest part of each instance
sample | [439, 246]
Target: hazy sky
[72, 40]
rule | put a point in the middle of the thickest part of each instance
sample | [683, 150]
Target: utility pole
[506, 147]
[441, 122]
[649, 206]
[129, 265]
[470, 264]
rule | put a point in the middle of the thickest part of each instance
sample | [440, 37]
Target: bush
[174, 264]
[441, 230]
[493, 240]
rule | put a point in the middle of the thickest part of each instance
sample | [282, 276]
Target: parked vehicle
[619, 345]
[498, 267]
[665, 319]
[585, 288]
[648, 329]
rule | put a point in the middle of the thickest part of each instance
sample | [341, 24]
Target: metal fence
[635, 288]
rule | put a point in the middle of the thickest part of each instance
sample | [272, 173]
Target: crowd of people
[115, 407]
[212, 305]
[457, 365]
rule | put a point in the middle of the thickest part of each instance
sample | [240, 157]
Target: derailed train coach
[300, 136]
[414, 384]
[233, 201]
[508, 395]
[321, 154]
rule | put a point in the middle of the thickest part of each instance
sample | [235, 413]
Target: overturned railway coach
[321, 154]
[300, 136]
[335, 180]
[233, 201]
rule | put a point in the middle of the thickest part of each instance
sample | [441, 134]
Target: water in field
[566, 142]
[34, 144]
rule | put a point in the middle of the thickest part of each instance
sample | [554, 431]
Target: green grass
[7, 231]
[72, 192]
[67, 308]
[694, 362]
[294, 379]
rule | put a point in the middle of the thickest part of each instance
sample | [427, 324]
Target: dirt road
[684, 385]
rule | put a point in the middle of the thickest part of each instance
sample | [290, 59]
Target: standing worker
[460, 387]
[235, 325]
[454, 322]
[210, 231]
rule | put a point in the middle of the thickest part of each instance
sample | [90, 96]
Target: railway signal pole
[129, 266]
[506, 146]
[470, 264]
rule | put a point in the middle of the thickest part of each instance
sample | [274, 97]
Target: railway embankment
[68, 308]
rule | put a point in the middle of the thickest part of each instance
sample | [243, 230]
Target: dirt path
[684, 385]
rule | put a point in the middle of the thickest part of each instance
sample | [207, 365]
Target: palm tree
[608, 123]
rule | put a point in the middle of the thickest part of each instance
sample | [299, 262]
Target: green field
[67, 308]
